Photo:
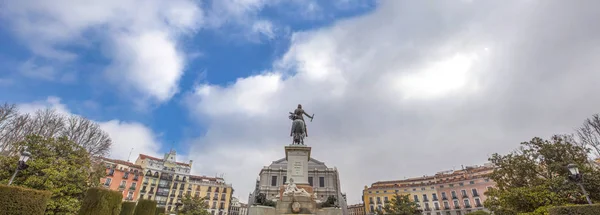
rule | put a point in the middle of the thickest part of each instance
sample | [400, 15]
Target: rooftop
[143, 156]
[122, 162]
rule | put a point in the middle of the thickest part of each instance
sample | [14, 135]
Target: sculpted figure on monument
[292, 190]
[299, 130]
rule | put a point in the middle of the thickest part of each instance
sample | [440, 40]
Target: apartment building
[445, 193]
[357, 209]
[122, 176]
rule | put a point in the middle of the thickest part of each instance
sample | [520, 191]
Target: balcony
[131, 188]
[135, 178]
[479, 205]
[427, 209]
[164, 185]
[161, 202]
[425, 200]
[145, 183]
[465, 196]
[129, 198]
[457, 207]
[370, 202]
[437, 209]
[467, 206]
[434, 199]
[475, 194]
[446, 207]
[162, 193]
[121, 187]
[454, 197]
[379, 202]
[153, 184]
[142, 191]
[444, 198]
[172, 194]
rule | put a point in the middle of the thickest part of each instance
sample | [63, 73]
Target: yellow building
[167, 182]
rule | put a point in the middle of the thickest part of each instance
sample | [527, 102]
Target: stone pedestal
[297, 157]
[306, 204]
[261, 210]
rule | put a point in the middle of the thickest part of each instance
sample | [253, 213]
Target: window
[426, 205]
[434, 196]
[123, 183]
[446, 205]
[385, 199]
[225, 189]
[425, 197]
[385, 191]
[284, 179]
[478, 202]
[321, 181]
[443, 195]
[454, 194]
[487, 180]
[370, 200]
[310, 181]
[474, 191]
[451, 185]
[456, 205]
[372, 208]
[467, 203]
[416, 198]
[376, 191]
[471, 182]
[141, 196]
[133, 185]
[461, 184]
[130, 195]
[464, 193]
[273, 181]
[458, 213]
[422, 188]
[436, 205]
[378, 200]
[441, 186]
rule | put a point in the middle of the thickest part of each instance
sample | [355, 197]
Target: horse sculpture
[298, 132]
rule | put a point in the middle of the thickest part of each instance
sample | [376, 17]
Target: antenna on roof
[129, 154]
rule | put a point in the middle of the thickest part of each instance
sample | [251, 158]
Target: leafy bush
[160, 211]
[575, 210]
[478, 213]
[330, 202]
[127, 208]
[100, 201]
[145, 207]
[18, 200]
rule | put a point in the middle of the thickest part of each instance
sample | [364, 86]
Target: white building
[325, 181]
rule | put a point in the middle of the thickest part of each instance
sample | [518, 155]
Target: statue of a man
[299, 112]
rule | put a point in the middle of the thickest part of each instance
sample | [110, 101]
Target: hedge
[145, 207]
[127, 208]
[18, 200]
[576, 210]
[160, 211]
[100, 201]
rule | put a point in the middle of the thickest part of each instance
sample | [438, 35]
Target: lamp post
[21, 165]
[578, 178]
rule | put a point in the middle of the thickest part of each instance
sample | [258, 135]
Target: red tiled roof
[143, 156]
[122, 162]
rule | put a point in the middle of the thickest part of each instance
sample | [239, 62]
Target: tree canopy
[535, 176]
[194, 206]
[400, 205]
[56, 165]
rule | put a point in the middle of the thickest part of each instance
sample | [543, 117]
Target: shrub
[19, 200]
[145, 207]
[575, 210]
[127, 208]
[160, 211]
[479, 213]
[100, 201]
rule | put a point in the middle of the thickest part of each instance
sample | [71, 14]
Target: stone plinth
[308, 188]
[329, 211]
[261, 210]
[297, 157]
[307, 205]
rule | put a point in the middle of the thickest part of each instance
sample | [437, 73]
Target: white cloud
[439, 85]
[124, 135]
[140, 37]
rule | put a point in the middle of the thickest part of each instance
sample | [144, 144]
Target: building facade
[167, 181]
[324, 180]
[123, 176]
[235, 207]
[243, 209]
[357, 209]
[445, 193]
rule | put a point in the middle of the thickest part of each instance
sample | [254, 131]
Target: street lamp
[578, 178]
[21, 165]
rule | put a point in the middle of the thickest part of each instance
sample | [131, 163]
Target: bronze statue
[299, 130]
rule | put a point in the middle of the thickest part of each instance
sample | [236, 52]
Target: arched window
[149, 173]
[155, 174]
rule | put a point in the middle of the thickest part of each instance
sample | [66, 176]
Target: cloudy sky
[398, 88]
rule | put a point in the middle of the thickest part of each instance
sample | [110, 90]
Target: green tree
[400, 205]
[535, 176]
[194, 206]
[56, 165]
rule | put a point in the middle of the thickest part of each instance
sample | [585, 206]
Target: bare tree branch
[589, 134]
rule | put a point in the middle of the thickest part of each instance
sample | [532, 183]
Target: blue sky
[398, 88]
[219, 55]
